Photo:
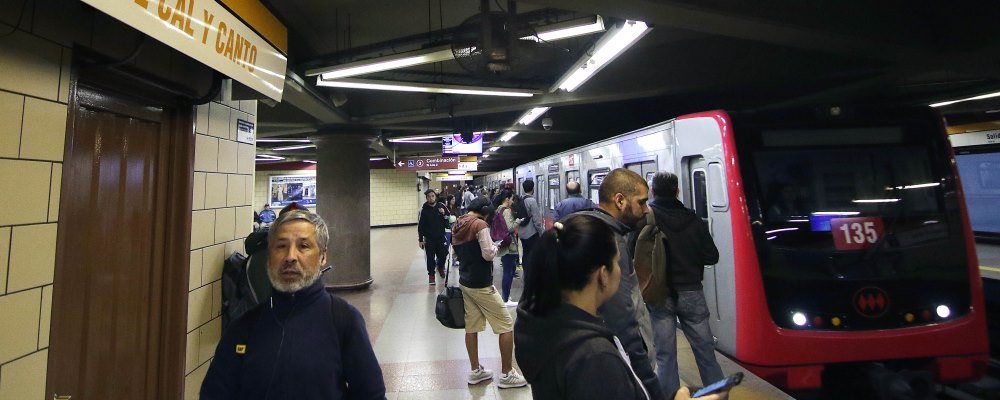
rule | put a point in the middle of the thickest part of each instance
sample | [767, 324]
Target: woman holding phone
[562, 345]
[508, 254]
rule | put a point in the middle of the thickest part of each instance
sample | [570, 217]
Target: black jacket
[570, 354]
[431, 225]
[688, 241]
[293, 351]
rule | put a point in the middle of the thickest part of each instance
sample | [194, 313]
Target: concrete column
[343, 200]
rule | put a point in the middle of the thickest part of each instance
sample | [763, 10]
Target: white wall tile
[199, 307]
[45, 317]
[206, 153]
[201, 122]
[19, 315]
[244, 221]
[225, 224]
[236, 191]
[202, 228]
[30, 65]
[32, 256]
[24, 378]
[43, 136]
[191, 359]
[218, 122]
[245, 158]
[4, 256]
[215, 190]
[213, 260]
[227, 156]
[11, 107]
[194, 273]
[30, 180]
[210, 334]
[198, 201]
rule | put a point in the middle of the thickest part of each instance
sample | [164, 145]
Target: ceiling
[699, 55]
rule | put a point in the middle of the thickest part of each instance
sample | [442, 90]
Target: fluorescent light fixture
[395, 86]
[409, 138]
[798, 220]
[874, 200]
[395, 61]
[494, 148]
[980, 97]
[456, 172]
[309, 161]
[305, 146]
[268, 157]
[567, 29]
[531, 115]
[377, 158]
[608, 47]
[283, 141]
[771, 237]
[781, 230]
[416, 141]
[918, 186]
[486, 156]
[508, 136]
[842, 213]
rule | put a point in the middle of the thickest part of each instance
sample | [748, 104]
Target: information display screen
[454, 145]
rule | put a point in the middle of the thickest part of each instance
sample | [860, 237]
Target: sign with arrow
[427, 163]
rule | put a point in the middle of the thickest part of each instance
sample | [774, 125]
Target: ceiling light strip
[305, 146]
[508, 136]
[371, 84]
[980, 97]
[608, 47]
[283, 141]
[395, 61]
[531, 115]
[565, 30]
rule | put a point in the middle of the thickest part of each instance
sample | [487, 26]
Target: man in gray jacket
[623, 196]
[529, 232]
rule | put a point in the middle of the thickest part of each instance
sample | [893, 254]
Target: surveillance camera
[547, 123]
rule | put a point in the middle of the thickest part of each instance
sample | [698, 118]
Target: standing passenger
[475, 250]
[573, 202]
[623, 196]
[430, 231]
[302, 344]
[509, 254]
[531, 231]
[690, 248]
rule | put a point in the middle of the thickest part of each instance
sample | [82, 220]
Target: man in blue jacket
[573, 202]
[303, 343]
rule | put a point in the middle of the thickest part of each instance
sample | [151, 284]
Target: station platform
[989, 260]
[421, 359]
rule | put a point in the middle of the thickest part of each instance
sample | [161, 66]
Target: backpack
[650, 262]
[238, 293]
[520, 210]
[499, 231]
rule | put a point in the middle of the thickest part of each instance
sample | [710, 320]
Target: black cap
[480, 205]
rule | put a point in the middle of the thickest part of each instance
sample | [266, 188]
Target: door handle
[56, 396]
[709, 266]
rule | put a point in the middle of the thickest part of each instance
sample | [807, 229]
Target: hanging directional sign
[427, 163]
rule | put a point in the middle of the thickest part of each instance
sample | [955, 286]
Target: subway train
[843, 233]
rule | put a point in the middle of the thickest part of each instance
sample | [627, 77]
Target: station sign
[427, 163]
[207, 32]
[468, 166]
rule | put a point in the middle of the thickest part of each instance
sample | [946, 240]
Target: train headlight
[943, 311]
[799, 319]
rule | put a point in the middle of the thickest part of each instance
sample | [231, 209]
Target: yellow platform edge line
[991, 269]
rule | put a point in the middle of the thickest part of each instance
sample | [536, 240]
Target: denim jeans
[509, 263]
[690, 308]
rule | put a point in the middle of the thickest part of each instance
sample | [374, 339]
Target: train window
[554, 187]
[573, 176]
[717, 186]
[594, 179]
[700, 193]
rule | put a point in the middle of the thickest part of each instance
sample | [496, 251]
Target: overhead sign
[454, 178]
[975, 138]
[468, 166]
[206, 31]
[427, 163]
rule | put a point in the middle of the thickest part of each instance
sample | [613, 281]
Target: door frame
[164, 369]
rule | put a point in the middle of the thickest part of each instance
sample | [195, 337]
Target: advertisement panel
[286, 189]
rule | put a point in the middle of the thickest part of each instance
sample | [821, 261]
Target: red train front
[851, 245]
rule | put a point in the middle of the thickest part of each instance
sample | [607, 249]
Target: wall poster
[286, 189]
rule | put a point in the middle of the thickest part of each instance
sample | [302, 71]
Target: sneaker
[430, 280]
[511, 379]
[510, 303]
[479, 375]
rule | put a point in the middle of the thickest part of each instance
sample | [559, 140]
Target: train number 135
[856, 233]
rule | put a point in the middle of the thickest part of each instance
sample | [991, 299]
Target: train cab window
[594, 179]
[980, 172]
[699, 193]
[717, 187]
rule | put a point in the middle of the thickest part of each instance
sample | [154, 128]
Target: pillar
[343, 200]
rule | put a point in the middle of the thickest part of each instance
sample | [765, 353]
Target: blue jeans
[509, 263]
[690, 308]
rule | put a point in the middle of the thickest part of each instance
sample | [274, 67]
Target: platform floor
[422, 359]
[989, 260]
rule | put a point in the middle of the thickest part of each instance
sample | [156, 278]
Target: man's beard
[306, 280]
[628, 217]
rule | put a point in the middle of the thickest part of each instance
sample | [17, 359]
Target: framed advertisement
[286, 189]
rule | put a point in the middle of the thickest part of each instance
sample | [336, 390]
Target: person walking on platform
[430, 229]
[476, 250]
[563, 345]
[508, 254]
[467, 197]
[573, 202]
[690, 249]
[530, 231]
[623, 196]
[303, 343]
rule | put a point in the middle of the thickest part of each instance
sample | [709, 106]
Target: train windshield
[841, 210]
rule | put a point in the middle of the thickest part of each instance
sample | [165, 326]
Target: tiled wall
[392, 194]
[392, 197]
[34, 87]
[222, 217]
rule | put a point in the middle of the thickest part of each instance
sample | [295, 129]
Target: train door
[696, 195]
[554, 195]
[645, 169]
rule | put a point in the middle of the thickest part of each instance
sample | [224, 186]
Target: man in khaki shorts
[475, 251]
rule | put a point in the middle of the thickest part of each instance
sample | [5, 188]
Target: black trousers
[436, 251]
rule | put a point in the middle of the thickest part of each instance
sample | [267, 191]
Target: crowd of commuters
[583, 330]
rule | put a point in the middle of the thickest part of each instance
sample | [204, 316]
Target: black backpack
[520, 210]
[237, 294]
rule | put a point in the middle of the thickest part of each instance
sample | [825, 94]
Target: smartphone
[725, 384]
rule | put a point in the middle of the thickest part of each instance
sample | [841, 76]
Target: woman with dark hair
[508, 255]
[562, 345]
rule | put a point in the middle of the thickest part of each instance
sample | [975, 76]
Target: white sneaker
[510, 303]
[511, 379]
[479, 375]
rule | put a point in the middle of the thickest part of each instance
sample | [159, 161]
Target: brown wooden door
[118, 306]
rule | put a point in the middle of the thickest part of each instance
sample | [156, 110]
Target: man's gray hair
[322, 232]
